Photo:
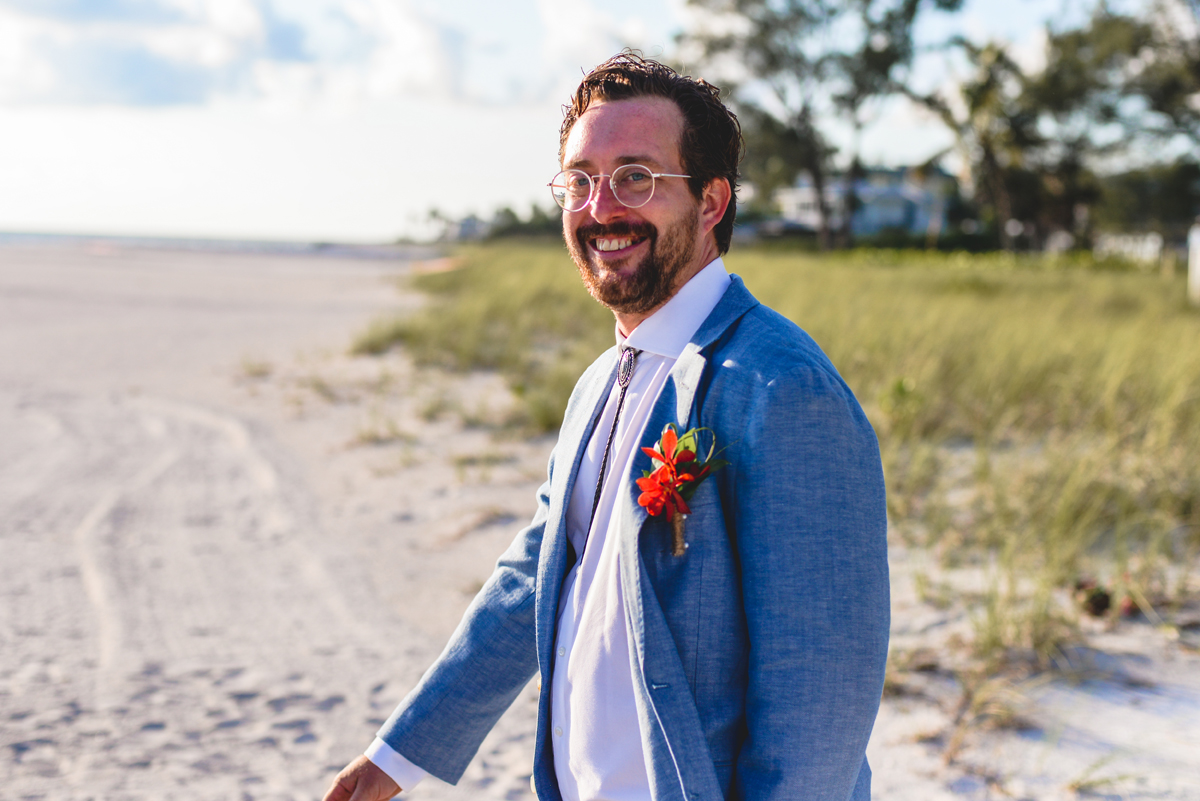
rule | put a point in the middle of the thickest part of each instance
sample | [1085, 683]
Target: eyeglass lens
[632, 185]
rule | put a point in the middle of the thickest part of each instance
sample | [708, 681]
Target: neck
[627, 322]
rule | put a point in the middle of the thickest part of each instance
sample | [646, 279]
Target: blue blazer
[761, 649]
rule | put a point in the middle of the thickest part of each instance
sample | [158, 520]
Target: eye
[575, 181]
[636, 175]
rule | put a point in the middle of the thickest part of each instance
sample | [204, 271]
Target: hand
[362, 780]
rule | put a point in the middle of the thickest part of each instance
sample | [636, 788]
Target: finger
[361, 780]
[368, 790]
[372, 787]
[343, 787]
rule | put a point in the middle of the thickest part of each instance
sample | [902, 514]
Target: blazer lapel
[674, 405]
[573, 437]
[668, 716]
[676, 402]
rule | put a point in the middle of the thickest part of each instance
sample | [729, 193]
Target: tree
[776, 152]
[872, 69]
[1114, 90]
[793, 54]
[1119, 92]
[993, 129]
[505, 223]
[1124, 82]
[772, 41]
[1164, 198]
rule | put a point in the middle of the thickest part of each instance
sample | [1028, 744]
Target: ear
[713, 203]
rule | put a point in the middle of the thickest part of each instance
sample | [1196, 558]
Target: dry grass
[1038, 418]
[515, 308]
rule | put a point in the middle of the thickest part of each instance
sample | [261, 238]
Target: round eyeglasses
[632, 185]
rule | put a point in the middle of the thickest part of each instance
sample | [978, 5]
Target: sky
[339, 120]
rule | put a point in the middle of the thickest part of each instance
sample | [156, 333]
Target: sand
[228, 548]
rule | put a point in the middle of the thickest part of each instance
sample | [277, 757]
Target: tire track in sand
[215, 653]
[95, 583]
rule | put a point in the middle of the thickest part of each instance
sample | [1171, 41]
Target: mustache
[617, 229]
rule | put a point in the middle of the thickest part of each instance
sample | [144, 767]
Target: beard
[652, 282]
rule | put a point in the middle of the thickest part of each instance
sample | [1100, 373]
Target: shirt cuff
[403, 772]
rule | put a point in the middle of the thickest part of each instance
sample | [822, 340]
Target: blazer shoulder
[764, 347]
[772, 393]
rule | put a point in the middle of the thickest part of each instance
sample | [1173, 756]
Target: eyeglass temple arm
[609, 175]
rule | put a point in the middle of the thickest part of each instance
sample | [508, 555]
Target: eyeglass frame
[594, 185]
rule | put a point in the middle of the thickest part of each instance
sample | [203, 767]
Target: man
[747, 662]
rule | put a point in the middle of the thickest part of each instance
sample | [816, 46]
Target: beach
[216, 583]
[229, 548]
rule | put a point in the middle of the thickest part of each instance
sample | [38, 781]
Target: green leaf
[687, 442]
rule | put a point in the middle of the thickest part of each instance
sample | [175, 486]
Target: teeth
[614, 244]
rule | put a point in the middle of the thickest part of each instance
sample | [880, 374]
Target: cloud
[97, 10]
[116, 73]
[579, 35]
[335, 53]
[283, 40]
[180, 52]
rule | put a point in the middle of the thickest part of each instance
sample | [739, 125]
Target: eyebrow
[648, 161]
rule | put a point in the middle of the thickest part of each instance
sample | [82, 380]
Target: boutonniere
[678, 471]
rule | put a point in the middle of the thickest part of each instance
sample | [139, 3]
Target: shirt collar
[670, 328]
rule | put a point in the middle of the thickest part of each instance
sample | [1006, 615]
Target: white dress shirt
[593, 718]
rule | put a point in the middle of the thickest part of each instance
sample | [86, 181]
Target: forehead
[616, 131]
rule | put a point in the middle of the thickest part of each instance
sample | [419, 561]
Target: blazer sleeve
[490, 657]
[812, 542]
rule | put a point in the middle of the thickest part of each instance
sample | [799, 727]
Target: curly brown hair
[711, 144]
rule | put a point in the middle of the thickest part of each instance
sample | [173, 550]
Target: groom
[746, 659]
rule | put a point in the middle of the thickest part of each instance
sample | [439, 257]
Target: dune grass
[1038, 417]
[518, 308]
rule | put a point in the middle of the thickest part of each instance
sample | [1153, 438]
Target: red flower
[677, 473]
[660, 492]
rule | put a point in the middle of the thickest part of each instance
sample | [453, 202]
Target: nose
[604, 204]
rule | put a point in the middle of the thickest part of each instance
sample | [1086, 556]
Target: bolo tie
[625, 365]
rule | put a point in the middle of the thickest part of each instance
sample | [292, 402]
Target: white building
[897, 199]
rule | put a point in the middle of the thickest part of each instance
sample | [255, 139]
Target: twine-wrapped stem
[677, 542]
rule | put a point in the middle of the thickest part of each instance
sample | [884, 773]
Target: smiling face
[634, 260]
